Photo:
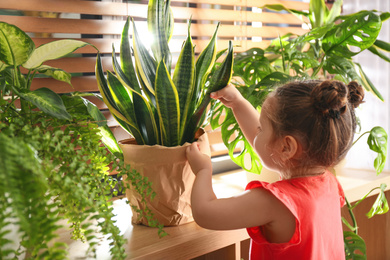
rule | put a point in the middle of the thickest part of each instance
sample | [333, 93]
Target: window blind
[100, 23]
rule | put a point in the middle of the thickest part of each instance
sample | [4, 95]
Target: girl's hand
[229, 96]
[198, 161]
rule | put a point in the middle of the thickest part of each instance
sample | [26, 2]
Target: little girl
[304, 129]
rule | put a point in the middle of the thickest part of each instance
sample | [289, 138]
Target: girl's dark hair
[320, 114]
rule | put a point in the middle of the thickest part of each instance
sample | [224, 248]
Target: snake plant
[152, 105]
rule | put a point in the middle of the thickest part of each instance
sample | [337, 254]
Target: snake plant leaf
[377, 141]
[15, 45]
[169, 20]
[127, 67]
[183, 79]
[52, 50]
[354, 245]
[157, 27]
[366, 82]
[359, 31]
[167, 106]
[220, 78]
[127, 80]
[380, 205]
[121, 98]
[145, 64]
[55, 73]
[109, 100]
[48, 101]
[110, 142]
[205, 63]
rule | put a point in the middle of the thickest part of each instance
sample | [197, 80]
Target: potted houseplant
[325, 51]
[53, 165]
[161, 111]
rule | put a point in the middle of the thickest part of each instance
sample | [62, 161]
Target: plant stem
[352, 216]
[360, 137]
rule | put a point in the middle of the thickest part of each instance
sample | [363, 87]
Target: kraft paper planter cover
[171, 176]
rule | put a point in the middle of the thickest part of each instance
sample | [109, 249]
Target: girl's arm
[254, 207]
[246, 115]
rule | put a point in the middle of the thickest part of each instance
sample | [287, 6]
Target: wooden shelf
[189, 241]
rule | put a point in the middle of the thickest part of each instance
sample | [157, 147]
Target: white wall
[374, 112]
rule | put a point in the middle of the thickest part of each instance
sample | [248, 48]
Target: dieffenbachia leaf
[52, 50]
[15, 45]
[48, 101]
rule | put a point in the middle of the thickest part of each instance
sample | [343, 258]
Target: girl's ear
[290, 148]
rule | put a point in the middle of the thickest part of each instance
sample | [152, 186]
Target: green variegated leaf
[157, 27]
[169, 21]
[167, 107]
[51, 51]
[15, 45]
[220, 78]
[48, 101]
[183, 79]
[110, 141]
[127, 67]
[144, 62]
[55, 73]
[2, 66]
[205, 63]
[110, 101]
[359, 31]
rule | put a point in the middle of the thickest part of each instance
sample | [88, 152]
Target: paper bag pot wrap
[170, 174]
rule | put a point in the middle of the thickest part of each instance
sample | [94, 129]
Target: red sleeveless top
[316, 204]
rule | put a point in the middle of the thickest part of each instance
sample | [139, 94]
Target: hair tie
[334, 114]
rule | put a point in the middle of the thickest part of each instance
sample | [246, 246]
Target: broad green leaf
[183, 79]
[358, 31]
[51, 51]
[167, 107]
[157, 27]
[234, 140]
[344, 67]
[318, 13]
[55, 73]
[144, 62]
[354, 245]
[377, 141]
[110, 142]
[368, 85]
[380, 205]
[95, 112]
[48, 101]
[15, 45]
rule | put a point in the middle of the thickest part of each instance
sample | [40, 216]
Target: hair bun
[356, 94]
[330, 98]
